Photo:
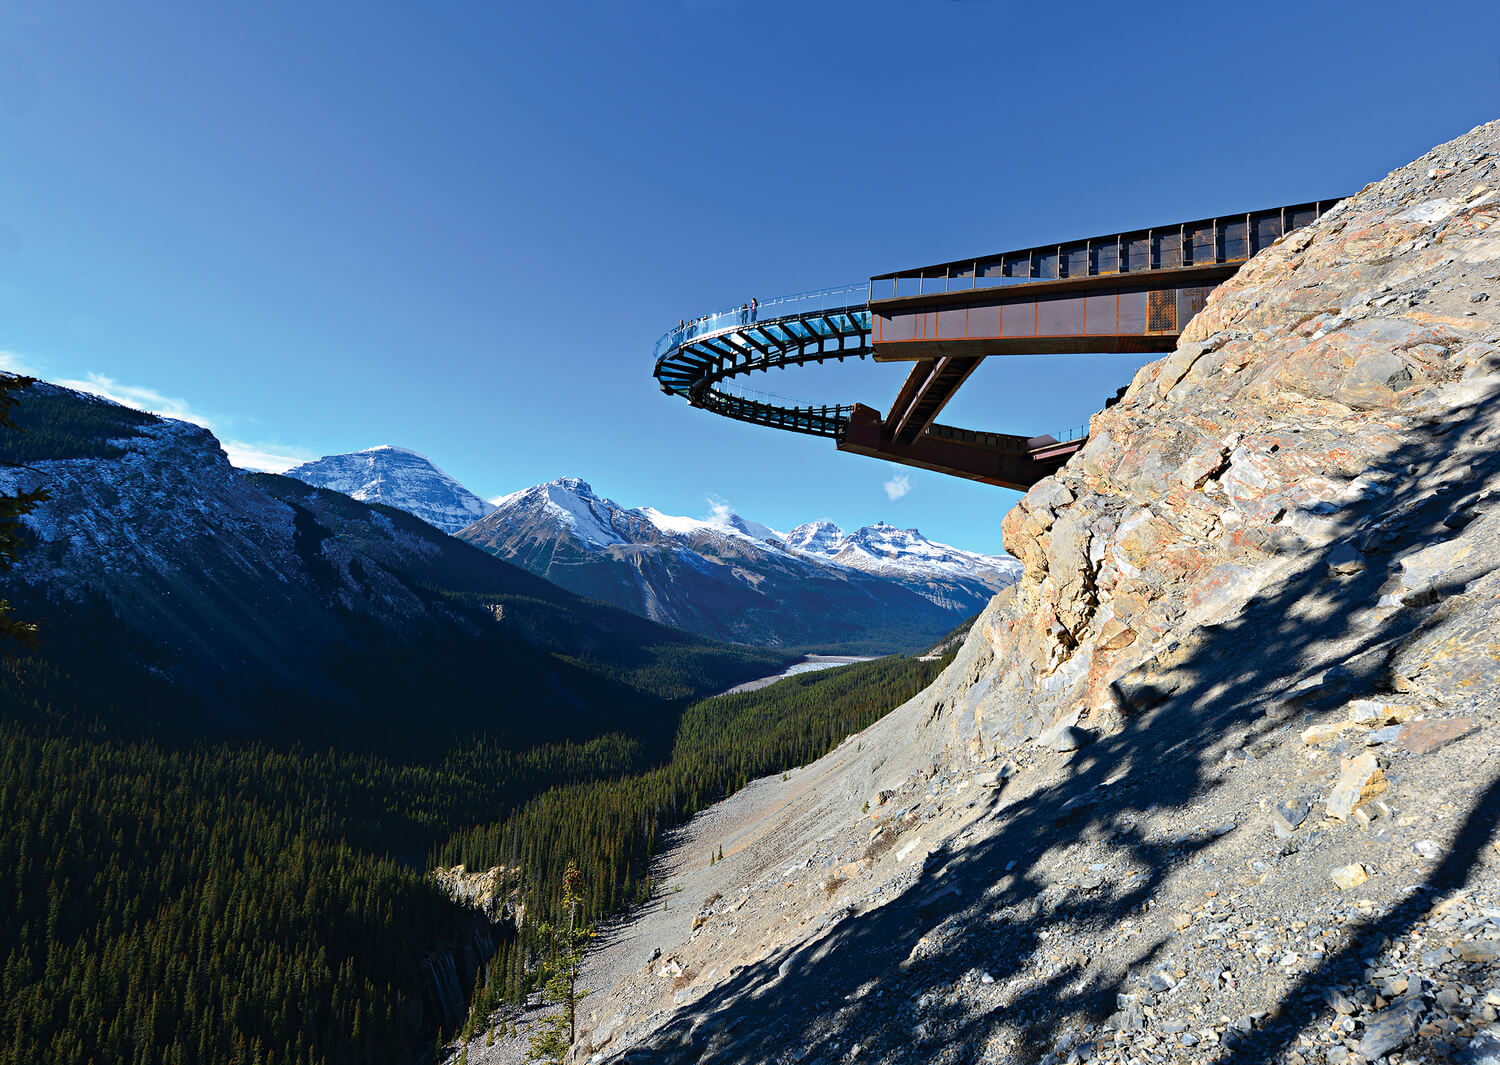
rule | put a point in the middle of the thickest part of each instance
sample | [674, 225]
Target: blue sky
[459, 228]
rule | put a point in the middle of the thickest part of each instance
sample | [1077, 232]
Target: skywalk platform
[1122, 293]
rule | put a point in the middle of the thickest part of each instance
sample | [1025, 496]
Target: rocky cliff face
[1216, 780]
[1323, 418]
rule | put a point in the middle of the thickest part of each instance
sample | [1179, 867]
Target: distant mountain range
[398, 478]
[878, 589]
[180, 597]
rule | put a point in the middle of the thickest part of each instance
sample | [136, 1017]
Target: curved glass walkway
[831, 323]
[1127, 292]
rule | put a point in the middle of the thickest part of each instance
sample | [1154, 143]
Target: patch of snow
[724, 524]
[587, 516]
[674, 525]
[884, 549]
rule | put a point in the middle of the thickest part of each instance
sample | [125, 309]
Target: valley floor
[809, 664]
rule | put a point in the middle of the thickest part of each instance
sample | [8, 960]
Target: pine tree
[567, 940]
[12, 507]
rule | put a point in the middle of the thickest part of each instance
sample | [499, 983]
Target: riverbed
[809, 664]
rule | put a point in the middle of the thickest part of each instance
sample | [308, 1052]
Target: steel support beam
[929, 395]
[1013, 465]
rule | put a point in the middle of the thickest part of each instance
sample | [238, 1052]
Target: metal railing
[842, 298]
[739, 390]
[828, 420]
[921, 283]
[1077, 432]
[1224, 241]
[1003, 441]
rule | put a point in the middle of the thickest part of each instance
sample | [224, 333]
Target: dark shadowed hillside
[192, 599]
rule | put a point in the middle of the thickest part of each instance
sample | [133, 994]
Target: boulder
[1432, 734]
[1350, 876]
[1361, 778]
[1288, 814]
[1064, 738]
[1391, 1029]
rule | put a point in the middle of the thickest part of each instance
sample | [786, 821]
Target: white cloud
[243, 454]
[265, 458]
[719, 510]
[10, 362]
[146, 399]
[897, 486]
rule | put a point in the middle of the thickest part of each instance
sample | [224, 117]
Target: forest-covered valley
[222, 901]
[255, 714]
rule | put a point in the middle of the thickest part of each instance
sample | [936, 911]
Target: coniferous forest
[197, 865]
[238, 903]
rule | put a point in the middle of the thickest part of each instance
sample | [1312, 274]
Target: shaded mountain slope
[267, 607]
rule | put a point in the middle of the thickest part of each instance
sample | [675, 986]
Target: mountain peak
[389, 449]
[886, 528]
[815, 537]
[397, 477]
[576, 485]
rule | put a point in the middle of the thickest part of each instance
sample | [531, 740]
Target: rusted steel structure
[1123, 293]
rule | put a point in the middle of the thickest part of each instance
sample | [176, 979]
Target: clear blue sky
[460, 228]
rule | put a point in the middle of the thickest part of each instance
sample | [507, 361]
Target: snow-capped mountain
[398, 478]
[571, 505]
[879, 587]
[885, 549]
[816, 538]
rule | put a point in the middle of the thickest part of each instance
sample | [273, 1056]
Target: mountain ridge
[731, 578]
[725, 577]
[255, 598]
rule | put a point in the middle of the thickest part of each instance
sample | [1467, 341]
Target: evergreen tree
[567, 940]
[12, 538]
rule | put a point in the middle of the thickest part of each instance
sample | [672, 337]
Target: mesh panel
[1161, 311]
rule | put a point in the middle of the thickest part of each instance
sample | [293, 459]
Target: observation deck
[1128, 292]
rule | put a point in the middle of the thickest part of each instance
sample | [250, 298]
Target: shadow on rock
[898, 980]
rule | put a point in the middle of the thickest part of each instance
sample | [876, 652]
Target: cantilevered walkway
[1128, 292]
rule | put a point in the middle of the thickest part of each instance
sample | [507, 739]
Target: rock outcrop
[1326, 404]
[487, 890]
[1216, 781]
